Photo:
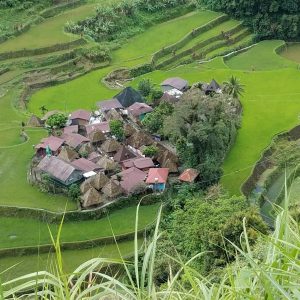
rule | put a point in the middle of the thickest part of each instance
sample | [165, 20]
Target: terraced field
[271, 104]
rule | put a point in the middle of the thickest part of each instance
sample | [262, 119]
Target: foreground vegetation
[268, 270]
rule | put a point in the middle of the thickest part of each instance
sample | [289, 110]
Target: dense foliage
[123, 18]
[268, 18]
[20, 4]
[203, 129]
[57, 121]
[116, 129]
[154, 121]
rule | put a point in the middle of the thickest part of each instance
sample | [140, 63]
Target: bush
[57, 121]
[145, 87]
[150, 151]
[74, 192]
[116, 129]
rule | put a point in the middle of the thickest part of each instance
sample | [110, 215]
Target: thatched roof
[171, 165]
[110, 145]
[113, 115]
[97, 136]
[68, 154]
[107, 164]
[86, 148]
[91, 197]
[35, 121]
[99, 181]
[139, 139]
[167, 158]
[124, 153]
[129, 130]
[112, 189]
[85, 186]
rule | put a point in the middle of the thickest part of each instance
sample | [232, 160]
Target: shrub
[116, 129]
[57, 121]
[145, 87]
[74, 192]
[150, 151]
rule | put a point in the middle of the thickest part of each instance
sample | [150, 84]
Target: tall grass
[274, 274]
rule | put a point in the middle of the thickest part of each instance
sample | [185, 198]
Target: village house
[102, 126]
[107, 105]
[67, 154]
[112, 189]
[91, 198]
[80, 117]
[71, 129]
[142, 163]
[124, 153]
[129, 96]
[97, 137]
[85, 165]
[157, 179]
[60, 171]
[176, 83]
[75, 140]
[110, 147]
[106, 164]
[131, 179]
[139, 139]
[138, 111]
[213, 87]
[52, 143]
[189, 175]
[34, 121]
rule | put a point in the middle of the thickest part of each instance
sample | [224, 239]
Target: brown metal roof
[109, 104]
[137, 109]
[53, 142]
[124, 153]
[74, 139]
[103, 126]
[56, 167]
[81, 114]
[176, 82]
[85, 165]
[71, 129]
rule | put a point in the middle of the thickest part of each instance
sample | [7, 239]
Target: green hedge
[191, 35]
[141, 70]
[53, 11]
[39, 51]
[94, 214]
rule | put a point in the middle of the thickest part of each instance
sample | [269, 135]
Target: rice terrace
[60, 63]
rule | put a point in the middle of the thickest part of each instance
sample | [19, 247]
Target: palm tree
[43, 109]
[233, 87]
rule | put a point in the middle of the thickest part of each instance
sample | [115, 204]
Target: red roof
[53, 142]
[158, 175]
[74, 139]
[138, 108]
[85, 165]
[103, 126]
[139, 162]
[81, 114]
[189, 175]
[131, 178]
[71, 129]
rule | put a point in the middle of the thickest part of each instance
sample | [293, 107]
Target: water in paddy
[292, 52]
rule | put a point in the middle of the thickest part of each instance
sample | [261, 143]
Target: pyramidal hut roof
[106, 164]
[85, 186]
[91, 197]
[129, 96]
[129, 130]
[99, 181]
[140, 138]
[110, 145]
[96, 136]
[86, 148]
[35, 121]
[67, 154]
[124, 153]
[112, 189]
[189, 175]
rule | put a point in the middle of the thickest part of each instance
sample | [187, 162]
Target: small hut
[99, 181]
[107, 164]
[110, 146]
[96, 137]
[68, 154]
[112, 189]
[85, 186]
[139, 139]
[91, 198]
[86, 148]
[129, 130]
[35, 121]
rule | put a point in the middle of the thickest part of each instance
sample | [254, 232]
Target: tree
[57, 121]
[74, 192]
[116, 129]
[145, 87]
[203, 128]
[150, 151]
[154, 121]
[43, 109]
[233, 87]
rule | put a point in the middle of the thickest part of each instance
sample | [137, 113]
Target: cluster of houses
[86, 153]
